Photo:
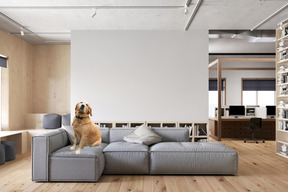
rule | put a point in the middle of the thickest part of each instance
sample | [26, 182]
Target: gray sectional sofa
[52, 159]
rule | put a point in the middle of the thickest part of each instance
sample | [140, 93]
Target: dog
[85, 130]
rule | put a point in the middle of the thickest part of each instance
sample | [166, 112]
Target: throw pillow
[143, 135]
[71, 135]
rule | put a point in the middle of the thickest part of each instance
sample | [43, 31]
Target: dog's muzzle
[82, 107]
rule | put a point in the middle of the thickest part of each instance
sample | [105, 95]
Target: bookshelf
[198, 131]
[282, 92]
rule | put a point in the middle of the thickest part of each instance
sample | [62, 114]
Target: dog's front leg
[81, 145]
[74, 144]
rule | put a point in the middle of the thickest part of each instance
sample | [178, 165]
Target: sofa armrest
[42, 146]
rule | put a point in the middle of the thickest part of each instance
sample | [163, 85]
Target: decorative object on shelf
[283, 90]
[283, 55]
[281, 113]
[284, 32]
[281, 45]
[284, 148]
[281, 103]
[280, 78]
[281, 69]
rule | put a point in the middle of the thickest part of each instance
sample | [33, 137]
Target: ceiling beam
[94, 6]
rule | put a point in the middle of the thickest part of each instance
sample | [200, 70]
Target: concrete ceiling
[45, 22]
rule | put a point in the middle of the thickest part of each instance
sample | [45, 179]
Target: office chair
[255, 125]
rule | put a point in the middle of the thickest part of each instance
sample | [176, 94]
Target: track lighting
[281, 25]
[93, 13]
[235, 35]
[21, 32]
[186, 10]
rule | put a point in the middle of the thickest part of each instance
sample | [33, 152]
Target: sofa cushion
[143, 135]
[192, 158]
[65, 165]
[85, 152]
[126, 158]
[166, 134]
[71, 135]
[172, 134]
[124, 146]
[117, 134]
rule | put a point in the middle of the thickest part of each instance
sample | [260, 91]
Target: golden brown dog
[84, 128]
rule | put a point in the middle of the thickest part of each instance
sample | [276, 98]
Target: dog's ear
[76, 106]
[90, 110]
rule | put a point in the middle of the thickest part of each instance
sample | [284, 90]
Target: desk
[234, 128]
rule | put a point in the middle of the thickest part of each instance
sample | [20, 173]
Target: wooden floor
[260, 169]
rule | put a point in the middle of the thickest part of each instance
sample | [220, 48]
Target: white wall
[141, 75]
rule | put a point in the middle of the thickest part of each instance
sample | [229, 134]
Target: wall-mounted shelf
[283, 49]
[282, 96]
[281, 123]
[283, 38]
[280, 84]
[282, 61]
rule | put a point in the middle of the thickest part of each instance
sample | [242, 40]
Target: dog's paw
[77, 152]
[72, 148]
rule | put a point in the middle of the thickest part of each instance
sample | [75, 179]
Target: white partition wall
[141, 75]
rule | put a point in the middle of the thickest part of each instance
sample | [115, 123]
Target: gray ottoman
[52, 121]
[193, 158]
[10, 152]
[2, 154]
[65, 165]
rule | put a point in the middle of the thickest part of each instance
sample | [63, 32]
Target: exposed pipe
[265, 20]
[93, 6]
[193, 14]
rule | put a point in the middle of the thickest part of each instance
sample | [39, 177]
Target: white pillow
[70, 131]
[143, 135]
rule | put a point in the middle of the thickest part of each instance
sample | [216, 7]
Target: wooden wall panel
[16, 81]
[51, 79]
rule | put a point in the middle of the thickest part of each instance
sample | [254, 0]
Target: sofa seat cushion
[85, 152]
[126, 158]
[193, 158]
[65, 165]
[124, 146]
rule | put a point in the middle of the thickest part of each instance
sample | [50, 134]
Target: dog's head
[83, 108]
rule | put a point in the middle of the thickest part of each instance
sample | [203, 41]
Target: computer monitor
[236, 110]
[271, 110]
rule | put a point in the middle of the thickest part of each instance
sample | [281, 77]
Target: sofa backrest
[104, 134]
[173, 134]
[167, 134]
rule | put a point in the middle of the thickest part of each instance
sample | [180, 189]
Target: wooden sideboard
[234, 128]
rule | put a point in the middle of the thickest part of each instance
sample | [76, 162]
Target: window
[213, 95]
[3, 63]
[258, 92]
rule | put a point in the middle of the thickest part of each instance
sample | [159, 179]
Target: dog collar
[78, 117]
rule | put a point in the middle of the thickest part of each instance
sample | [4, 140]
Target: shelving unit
[281, 121]
[198, 131]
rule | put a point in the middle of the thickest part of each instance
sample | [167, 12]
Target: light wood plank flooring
[260, 169]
